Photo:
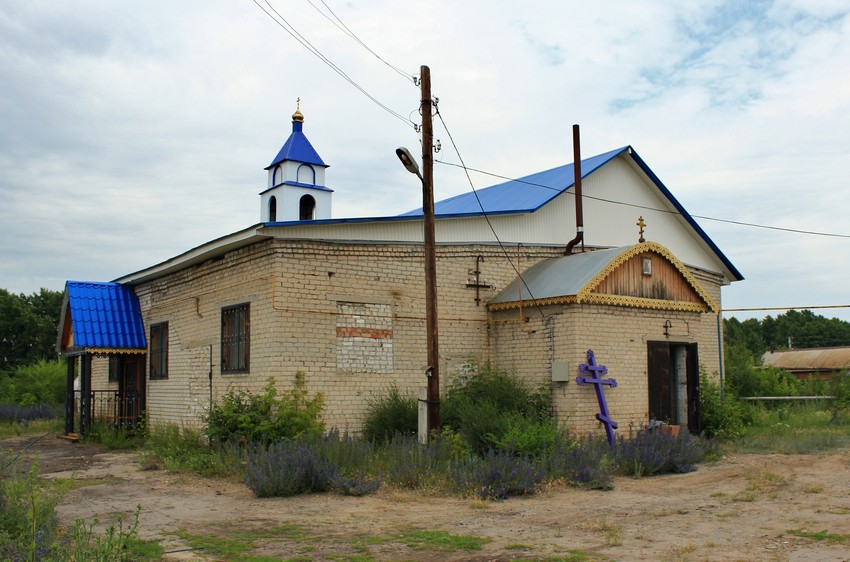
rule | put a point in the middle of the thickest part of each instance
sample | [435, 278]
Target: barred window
[235, 338]
[159, 351]
[114, 368]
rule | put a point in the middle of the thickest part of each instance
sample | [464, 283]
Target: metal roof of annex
[100, 317]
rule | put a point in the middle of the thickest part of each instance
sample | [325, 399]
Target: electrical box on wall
[560, 371]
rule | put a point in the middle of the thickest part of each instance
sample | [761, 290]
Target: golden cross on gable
[640, 224]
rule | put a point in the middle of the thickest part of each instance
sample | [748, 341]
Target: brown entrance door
[131, 391]
[662, 384]
[673, 383]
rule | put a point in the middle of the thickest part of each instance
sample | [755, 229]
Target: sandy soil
[740, 508]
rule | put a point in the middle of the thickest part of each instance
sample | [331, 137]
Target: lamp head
[408, 161]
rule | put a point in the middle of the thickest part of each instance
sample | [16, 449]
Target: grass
[760, 482]
[683, 550]
[67, 484]
[16, 428]
[184, 450]
[234, 543]
[796, 429]
[441, 541]
[820, 536]
[113, 438]
[571, 556]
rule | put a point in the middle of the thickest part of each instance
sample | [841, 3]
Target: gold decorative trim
[638, 302]
[586, 294]
[638, 249]
[571, 299]
[114, 351]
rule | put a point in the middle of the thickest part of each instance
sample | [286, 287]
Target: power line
[339, 24]
[764, 309]
[492, 229]
[644, 207]
[290, 29]
[783, 229]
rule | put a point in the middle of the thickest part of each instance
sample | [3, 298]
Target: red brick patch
[371, 333]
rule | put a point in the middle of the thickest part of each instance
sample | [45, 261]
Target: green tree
[746, 342]
[28, 326]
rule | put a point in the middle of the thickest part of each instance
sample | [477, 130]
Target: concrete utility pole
[430, 253]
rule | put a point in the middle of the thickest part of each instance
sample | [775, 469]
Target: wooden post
[430, 254]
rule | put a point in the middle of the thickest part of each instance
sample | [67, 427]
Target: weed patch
[245, 418]
[30, 530]
[645, 453]
[183, 450]
[584, 462]
[287, 468]
[390, 414]
[496, 476]
[111, 437]
[441, 541]
[820, 536]
[240, 542]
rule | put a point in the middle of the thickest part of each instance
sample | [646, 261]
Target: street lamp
[409, 163]
[433, 370]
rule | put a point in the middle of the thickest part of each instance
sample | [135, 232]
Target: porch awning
[100, 318]
[613, 276]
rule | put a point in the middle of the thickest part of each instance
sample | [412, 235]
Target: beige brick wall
[618, 336]
[306, 297]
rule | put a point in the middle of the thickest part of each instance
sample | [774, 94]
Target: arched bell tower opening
[296, 188]
[272, 209]
[307, 208]
[306, 174]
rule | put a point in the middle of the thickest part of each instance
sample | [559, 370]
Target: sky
[131, 132]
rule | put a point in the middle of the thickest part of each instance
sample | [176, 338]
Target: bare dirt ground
[739, 508]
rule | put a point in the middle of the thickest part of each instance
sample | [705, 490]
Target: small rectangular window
[235, 338]
[159, 351]
[114, 367]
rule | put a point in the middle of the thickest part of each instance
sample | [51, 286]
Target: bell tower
[296, 188]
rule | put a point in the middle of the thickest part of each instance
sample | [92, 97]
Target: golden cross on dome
[640, 224]
[298, 116]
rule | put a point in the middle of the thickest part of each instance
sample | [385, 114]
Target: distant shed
[821, 362]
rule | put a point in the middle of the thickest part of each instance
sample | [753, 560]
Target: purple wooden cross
[595, 371]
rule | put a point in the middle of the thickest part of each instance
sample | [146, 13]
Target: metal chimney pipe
[579, 215]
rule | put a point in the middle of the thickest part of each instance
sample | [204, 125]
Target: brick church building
[343, 300]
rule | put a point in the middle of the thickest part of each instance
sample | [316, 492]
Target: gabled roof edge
[705, 238]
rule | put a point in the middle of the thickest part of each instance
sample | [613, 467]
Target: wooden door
[131, 390]
[661, 374]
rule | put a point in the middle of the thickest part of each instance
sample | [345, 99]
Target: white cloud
[131, 134]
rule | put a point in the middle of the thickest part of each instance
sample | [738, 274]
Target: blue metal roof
[527, 194]
[297, 149]
[523, 195]
[299, 184]
[105, 316]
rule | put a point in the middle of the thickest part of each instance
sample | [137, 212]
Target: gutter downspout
[579, 215]
[720, 353]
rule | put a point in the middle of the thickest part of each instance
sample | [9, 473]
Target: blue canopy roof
[104, 316]
[523, 195]
[297, 149]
